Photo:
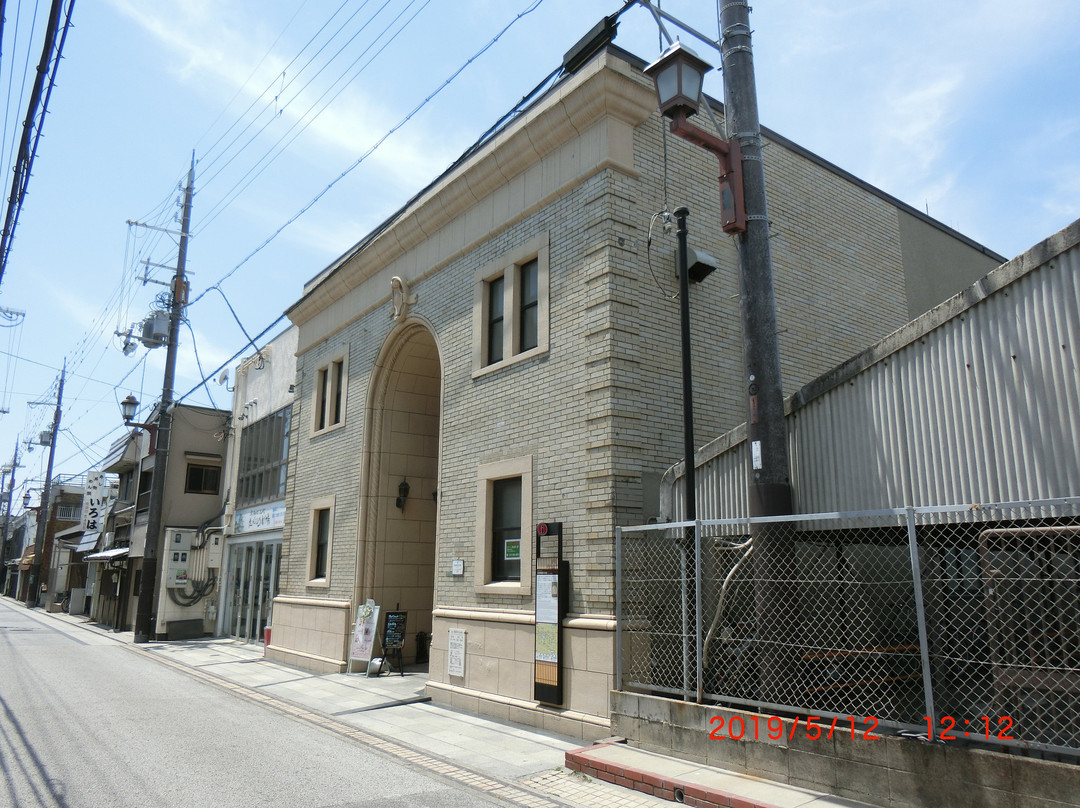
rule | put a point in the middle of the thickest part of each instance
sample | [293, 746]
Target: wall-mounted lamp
[403, 494]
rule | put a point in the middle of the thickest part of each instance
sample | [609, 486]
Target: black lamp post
[677, 75]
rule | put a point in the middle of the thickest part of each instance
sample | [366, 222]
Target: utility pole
[770, 477]
[43, 508]
[7, 509]
[144, 612]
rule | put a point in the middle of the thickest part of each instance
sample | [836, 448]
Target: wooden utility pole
[144, 612]
[7, 509]
[43, 508]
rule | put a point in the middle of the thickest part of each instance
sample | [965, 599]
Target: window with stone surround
[504, 527]
[510, 307]
[321, 542]
[330, 393]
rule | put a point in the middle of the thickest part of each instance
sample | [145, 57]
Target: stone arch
[396, 553]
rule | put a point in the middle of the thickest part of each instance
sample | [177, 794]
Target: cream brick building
[507, 345]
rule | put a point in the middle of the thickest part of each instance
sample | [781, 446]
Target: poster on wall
[367, 618]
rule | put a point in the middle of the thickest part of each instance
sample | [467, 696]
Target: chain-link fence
[958, 622]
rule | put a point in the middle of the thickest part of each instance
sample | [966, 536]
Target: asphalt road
[86, 722]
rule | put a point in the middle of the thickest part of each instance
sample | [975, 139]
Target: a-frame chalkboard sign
[393, 638]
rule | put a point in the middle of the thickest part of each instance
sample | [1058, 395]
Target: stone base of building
[310, 633]
[587, 728]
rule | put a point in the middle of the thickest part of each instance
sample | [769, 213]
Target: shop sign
[262, 517]
[95, 502]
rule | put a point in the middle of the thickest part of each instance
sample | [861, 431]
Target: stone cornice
[607, 88]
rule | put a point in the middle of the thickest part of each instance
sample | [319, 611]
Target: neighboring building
[935, 570]
[256, 470]
[68, 582]
[504, 351]
[192, 502]
[64, 511]
[976, 401]
[22, 530]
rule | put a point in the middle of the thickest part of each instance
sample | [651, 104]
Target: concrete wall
[892, 771]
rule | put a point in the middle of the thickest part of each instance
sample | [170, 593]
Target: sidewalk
[516, 764]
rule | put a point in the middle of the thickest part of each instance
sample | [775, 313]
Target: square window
[202, 479]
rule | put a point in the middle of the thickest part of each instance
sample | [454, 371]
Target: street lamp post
[678, 75]
[691, 547]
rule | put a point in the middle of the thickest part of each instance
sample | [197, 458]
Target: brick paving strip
[689, 783]
[511, 793]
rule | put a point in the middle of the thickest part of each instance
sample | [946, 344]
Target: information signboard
[455, 656]
[552, 582]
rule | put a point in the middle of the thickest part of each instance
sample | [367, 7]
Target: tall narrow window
[336, 370]
[320, 399]
[329, 396]
[511, 307]
[527, 283]
[496, 291]
[322, 542]
[506, 529]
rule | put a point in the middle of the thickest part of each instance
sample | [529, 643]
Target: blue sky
[969, 110]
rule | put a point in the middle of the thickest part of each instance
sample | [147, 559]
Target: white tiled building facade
[508, 346]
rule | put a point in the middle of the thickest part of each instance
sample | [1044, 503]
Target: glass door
[252, 585]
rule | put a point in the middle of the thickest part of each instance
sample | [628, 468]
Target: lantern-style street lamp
[128, 407]
[678, 75]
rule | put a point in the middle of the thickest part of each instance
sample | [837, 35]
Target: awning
[27, 558]
[108, 555]
[79, 542]
[88, 541]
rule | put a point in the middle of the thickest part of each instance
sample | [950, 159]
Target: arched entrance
[399, 511]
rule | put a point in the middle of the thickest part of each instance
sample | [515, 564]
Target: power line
[36, 111]
[303, 121]
[528, 10]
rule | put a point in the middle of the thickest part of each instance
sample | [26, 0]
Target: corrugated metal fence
[961, 623]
